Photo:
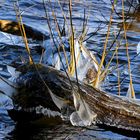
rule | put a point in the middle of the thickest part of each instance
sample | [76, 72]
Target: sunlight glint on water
[33, 15]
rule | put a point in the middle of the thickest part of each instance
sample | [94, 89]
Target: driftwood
[14, 28]
[111, 110]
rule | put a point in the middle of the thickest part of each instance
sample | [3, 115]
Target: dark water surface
[98, 12]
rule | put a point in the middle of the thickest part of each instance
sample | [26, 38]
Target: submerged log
[13, 27]
[111, 110]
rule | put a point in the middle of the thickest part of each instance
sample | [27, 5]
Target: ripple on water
[6, 124]
[33, 15]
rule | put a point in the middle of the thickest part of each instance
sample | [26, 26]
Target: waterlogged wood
[111, 110]
[114, 111]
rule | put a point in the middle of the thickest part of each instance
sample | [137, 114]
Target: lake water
[98, 12]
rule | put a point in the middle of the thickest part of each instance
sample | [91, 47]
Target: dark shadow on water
[33, 132]
[25, 132]
[66, 131]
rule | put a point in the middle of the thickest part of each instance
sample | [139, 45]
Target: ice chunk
[129, 94]
[83, 115]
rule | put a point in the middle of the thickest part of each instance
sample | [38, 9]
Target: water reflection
[63, 131]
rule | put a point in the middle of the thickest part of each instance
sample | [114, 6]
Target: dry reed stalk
[118, 73]
[64, 16]
[60, 37]
[117, 65]
[73, 59]
[23, 33]
[97, 80]
[105, 71]
[52, 37]
[127, 53]
[71, 42]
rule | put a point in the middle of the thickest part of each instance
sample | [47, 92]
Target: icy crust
[83, 114]
[120, 126]
[47, 112]
[126, 101]
[74, 117]
[122, 112]
[85, 58]
[80, 116]
[40, 110]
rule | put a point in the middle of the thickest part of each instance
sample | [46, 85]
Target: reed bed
[71, 66]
